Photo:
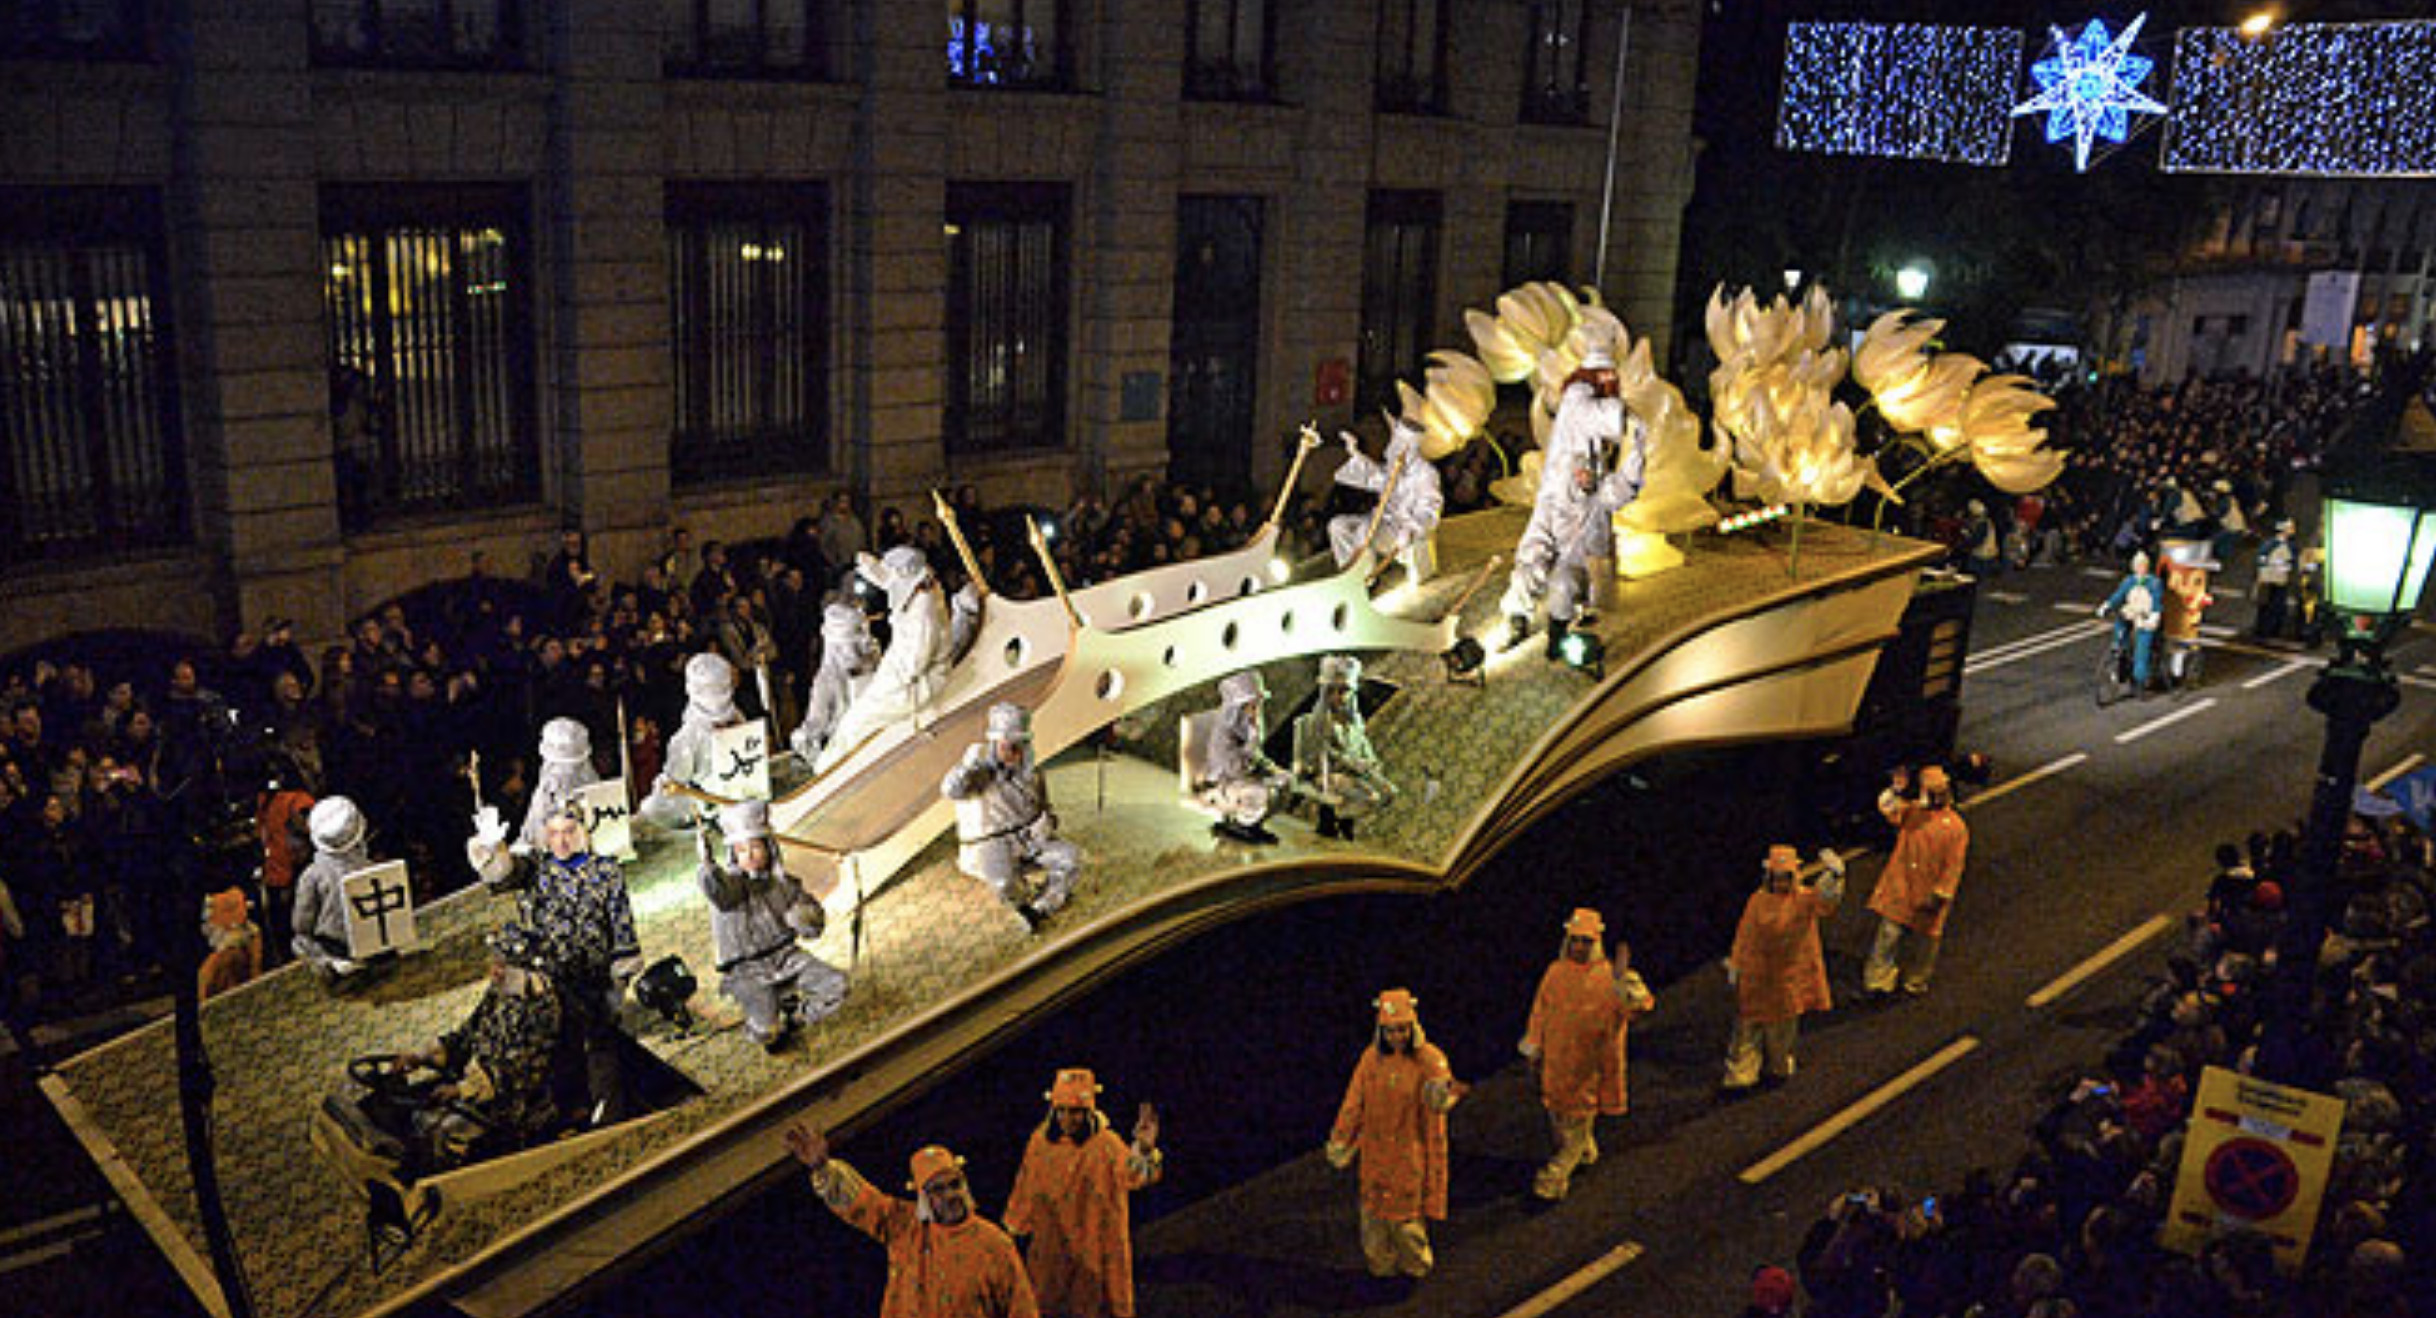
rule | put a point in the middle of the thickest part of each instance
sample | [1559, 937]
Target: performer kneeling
[757, 913]
[1003, 819]
[1333, 758]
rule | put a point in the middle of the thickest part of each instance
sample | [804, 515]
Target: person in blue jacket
[2137, 606]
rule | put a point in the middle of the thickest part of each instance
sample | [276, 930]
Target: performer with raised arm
[758, 912]
[1004, 824]
[1411, 505]
[944, 1260]
[1592, 468]
[913, 667]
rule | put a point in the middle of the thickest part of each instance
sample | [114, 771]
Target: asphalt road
[1245, 1037]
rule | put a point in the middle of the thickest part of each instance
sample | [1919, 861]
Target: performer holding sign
[710, 705]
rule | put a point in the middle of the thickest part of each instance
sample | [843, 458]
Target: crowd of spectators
[2073, 1229]
[95, 779]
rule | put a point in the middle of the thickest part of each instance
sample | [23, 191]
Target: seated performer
[1004, 824]
[1334, 763]
[496, 1068]
[340, 848]
[757, 913]
[1413, 505]
[710, 705]
[1238, 780]
[847, 654]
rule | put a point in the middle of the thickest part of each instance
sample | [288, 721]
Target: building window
[72, 29]
[748, 291]
[1554, 90]
[1227, 56]
[1539, 241]
[1006, 43]
[90, 451]
[1006, 316]
[423, 34]
[431, 349]
[1412, 56]
[1399, 288]
[744, 38]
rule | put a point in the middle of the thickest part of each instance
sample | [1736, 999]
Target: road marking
[2277, 675]
[2072, 634]
[2047, 770]
[2409, 762]
[2067, 606]
[2218, 630]
[35, 1258]
[2167, 721]
[2428, 670]
[2228, 592]
[2107, 956]
[1598, 1270]
[2008, 597]
[2021, 643]
[2101, 573]
[1858, 1112]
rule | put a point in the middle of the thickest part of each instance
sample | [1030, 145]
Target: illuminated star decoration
[2089, 85]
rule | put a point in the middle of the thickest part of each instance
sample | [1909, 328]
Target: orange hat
[1933, 779]
[1785, 858]
[225, 909]
[930, 1162]
[1585, 923]
[1074, 1087]
[1397, 1007]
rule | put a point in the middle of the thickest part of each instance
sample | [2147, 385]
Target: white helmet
[1010, 722]
[2140, 563]
[336, 825]
[565, 741]
[745, 820]
[709, 679]
[1242, 688]
[1599, 357]
[1340, 670]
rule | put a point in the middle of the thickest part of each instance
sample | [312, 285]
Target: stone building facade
[303, 301]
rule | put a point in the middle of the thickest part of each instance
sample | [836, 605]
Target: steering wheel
[383, 1074]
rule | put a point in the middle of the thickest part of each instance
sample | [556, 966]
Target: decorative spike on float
[1285, 490]
[1048, 564]
[964, 551]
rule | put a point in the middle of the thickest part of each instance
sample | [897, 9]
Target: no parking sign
[2256, 1158]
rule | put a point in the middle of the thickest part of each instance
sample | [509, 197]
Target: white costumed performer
[1413, 506]
[710, 704]
[915, 664]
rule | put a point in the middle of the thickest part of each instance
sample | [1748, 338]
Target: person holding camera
[1916, 889]
[1776, 968]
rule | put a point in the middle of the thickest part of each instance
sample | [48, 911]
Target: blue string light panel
[1910, 91]
[2344, 100]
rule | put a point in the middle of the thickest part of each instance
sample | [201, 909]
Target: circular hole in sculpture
[1227, 638]
[1110, 684]
[1015, 652]
[1339, 616]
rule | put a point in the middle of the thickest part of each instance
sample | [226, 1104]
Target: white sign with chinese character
[380, 910]
[740, 763]
[608, 820]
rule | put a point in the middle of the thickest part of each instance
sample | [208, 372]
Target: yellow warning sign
[2256, 1158]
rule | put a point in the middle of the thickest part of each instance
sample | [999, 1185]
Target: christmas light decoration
[2089, 87]
[1907, 90]
[2339, 99]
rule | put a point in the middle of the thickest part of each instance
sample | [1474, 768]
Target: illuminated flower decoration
[1677, 473]
[2004, 446]
[1893, 351]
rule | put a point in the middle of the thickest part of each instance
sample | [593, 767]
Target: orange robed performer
[1394, 1119]
[1916, 889]
[1576, 1043]
[1777, 969]
[944, 1261]
[1070, 1198]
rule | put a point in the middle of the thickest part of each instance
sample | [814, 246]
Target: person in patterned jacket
[498, 1063]
[575, 902]
[944, 1259]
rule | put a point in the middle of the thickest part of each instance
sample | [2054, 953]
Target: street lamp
[2380, 529]
[1793, 278]
[1911, 283]
[2256, 25]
